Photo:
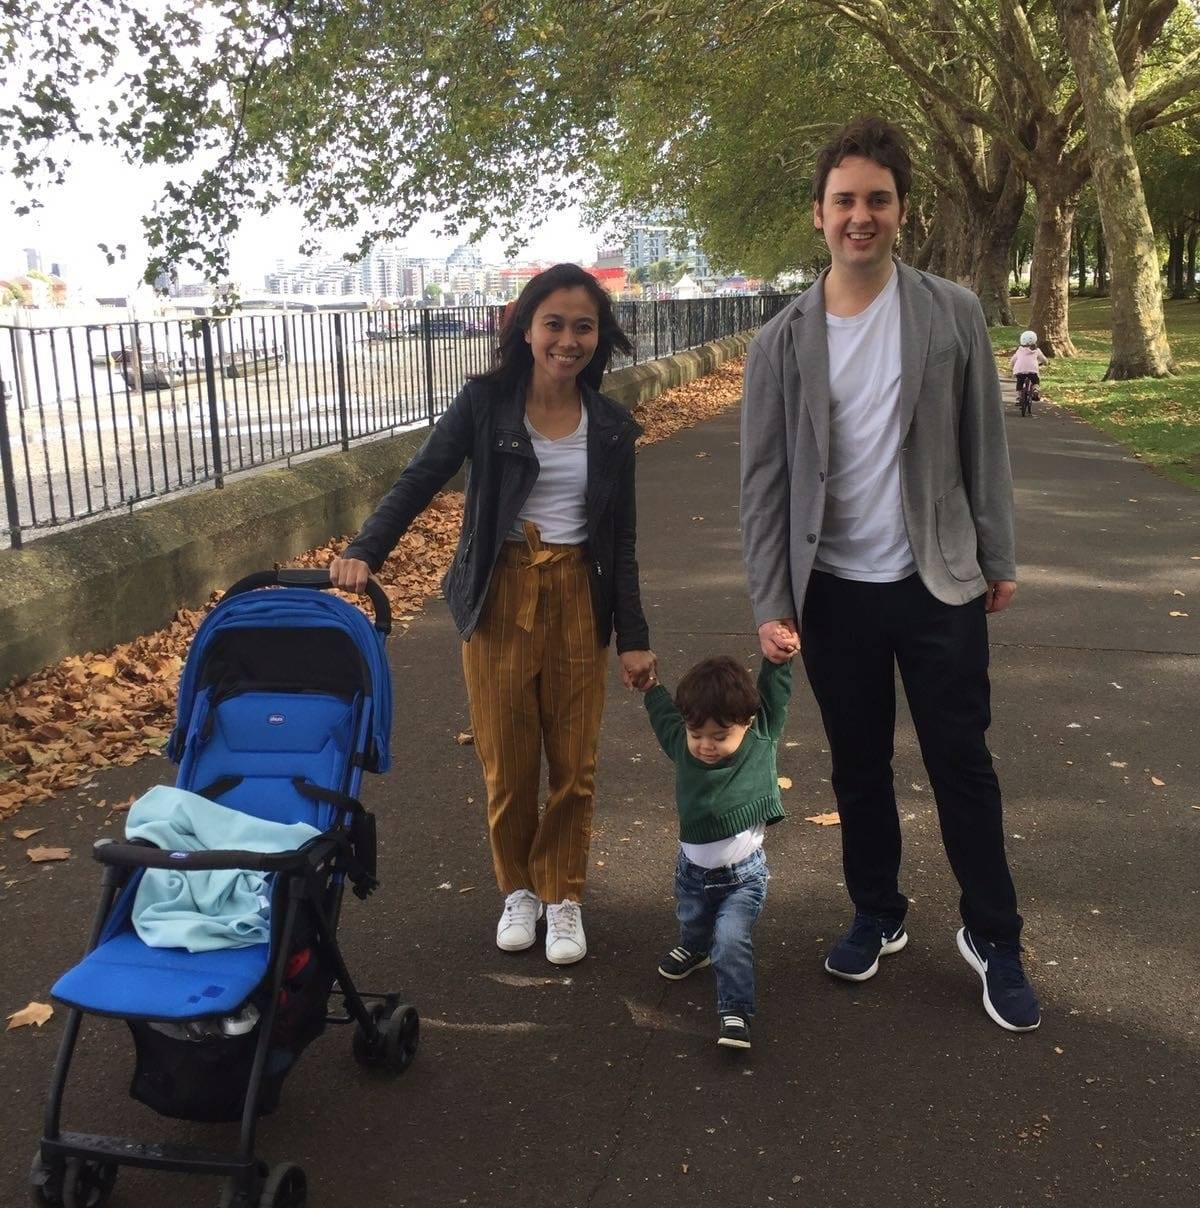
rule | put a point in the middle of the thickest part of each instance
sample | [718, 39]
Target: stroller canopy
[292, 637]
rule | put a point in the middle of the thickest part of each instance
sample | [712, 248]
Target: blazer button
[515, 445]
[821, 476]
[812, 537]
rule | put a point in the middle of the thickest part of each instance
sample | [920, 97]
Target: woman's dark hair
[873, 139]
[513, 359]
[718, 689]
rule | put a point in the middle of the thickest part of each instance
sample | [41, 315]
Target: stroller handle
[318, 579]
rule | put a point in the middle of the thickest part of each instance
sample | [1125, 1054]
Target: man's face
[859, 215]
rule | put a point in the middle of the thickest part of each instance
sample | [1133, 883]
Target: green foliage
[369, 114]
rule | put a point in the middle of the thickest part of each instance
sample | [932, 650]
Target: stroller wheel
[45, 1183]
[87, 1183]
[397, 1042]
[286, 1187]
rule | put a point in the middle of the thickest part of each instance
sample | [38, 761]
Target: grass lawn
[1158, 420]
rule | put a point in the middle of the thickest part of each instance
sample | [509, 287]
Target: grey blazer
[955, 480]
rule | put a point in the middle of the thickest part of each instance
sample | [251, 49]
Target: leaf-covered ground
[91, 711]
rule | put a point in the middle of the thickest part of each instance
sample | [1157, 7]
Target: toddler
[722, 733]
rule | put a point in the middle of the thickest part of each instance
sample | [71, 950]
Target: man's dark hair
[718, 689]
[873, 139]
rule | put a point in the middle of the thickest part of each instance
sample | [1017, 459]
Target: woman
[544, 574]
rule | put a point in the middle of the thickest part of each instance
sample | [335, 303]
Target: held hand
[639, 669]
[779, 640]
[350, 574]
[999, 594]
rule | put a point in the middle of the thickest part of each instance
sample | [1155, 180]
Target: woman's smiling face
[563, 334]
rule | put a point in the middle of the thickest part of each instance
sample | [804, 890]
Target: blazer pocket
[957, 538]
[940, 356]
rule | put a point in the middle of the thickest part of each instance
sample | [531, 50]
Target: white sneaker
[565, 941]
[517, 928]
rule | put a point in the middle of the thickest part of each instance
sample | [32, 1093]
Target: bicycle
[1027, 394]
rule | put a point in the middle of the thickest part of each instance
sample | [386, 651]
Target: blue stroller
[284, 702]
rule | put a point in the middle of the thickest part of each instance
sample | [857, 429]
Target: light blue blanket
[202, 910]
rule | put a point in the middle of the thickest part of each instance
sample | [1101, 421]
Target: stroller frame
[78, 1169]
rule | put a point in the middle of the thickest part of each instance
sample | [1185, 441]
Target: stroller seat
[129, 979]
[249, 750]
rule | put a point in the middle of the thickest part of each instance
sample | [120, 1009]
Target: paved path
[600, 1085]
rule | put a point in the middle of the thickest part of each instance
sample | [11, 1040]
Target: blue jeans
[717, 909]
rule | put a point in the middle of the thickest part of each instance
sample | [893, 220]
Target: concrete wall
[111, 580]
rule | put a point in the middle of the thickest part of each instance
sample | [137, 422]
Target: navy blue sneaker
[855, 956]
[1007, 995]
[679, 962]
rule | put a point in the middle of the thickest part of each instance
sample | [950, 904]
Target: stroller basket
[284, 702]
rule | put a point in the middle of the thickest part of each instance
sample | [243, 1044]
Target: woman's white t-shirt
[556, 504]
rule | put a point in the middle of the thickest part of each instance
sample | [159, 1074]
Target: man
[877, 513]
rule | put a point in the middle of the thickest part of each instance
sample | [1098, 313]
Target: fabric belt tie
[529, 578]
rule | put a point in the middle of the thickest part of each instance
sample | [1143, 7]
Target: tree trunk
[1049, 275]
[1081, 261]
[948, 253]
[1175, 245]
[1193, 238]
[1140, 347]
[994, 234]
[1101, 263]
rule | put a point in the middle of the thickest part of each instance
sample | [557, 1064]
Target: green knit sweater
[718, 800]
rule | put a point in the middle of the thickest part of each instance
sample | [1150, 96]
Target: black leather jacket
[490, 430]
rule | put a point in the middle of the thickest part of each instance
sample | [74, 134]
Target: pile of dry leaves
[92, 711]
[691, 404]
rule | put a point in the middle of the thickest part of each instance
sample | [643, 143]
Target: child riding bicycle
[1025, 363]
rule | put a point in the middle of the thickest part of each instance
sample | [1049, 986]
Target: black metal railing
[101, 417]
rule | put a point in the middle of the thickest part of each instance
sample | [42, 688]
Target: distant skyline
[81, 213]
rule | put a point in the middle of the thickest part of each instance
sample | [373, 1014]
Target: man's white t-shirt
[863, 535]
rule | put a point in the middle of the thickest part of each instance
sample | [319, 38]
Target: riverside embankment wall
[91, 587]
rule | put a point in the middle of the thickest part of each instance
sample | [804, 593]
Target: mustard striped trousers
[535, 675]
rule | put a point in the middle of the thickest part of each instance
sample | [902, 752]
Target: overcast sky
[104, 197]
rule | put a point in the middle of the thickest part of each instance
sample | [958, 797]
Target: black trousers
[854, 634]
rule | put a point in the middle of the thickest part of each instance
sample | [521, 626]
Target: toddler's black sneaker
[679, 962]
[1008, 998]
[735, 1032]
[855, 957]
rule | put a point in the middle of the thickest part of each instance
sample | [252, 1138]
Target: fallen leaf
[465, 739]
[40, 855]
[1154, 780]
[785, 782]
[1118, 763]
[444, 885]
[36, 1013]
[1177, 592]
[466, 889]
[697, 517]
[1176, 613]
[28, 832]
[121, 806]
[700, 455]
[1114, 684]
[105, 667]
[830, 819]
